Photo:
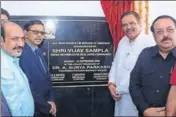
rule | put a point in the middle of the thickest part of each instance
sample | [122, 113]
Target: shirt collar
[156, 51]
[174, 51]
[7, 56]
[31, 46]
[137, 39]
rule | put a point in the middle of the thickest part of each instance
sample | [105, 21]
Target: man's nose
[21, 42]
[165, 33]
[128, 26]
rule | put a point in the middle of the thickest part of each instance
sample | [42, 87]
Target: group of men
[26, 88]
[143, 71]
[142, 79]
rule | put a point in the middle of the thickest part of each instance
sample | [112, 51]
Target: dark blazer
[39, 80]
[4, 107]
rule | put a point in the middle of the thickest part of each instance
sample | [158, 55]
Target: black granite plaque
[78, 50]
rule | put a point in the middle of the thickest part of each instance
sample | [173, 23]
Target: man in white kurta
[126, 56]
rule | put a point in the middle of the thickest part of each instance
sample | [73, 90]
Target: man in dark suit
[34, 66]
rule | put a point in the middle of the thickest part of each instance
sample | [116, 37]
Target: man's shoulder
[26, 50]
[148, 50]
[123, 41]
[147, 40]
[5, 61]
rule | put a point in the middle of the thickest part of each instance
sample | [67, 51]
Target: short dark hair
[31, 23]
[162, 17]
[135, 14]
[5, 12]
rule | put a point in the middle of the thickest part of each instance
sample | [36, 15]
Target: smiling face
[165, 33]
[35, 34]
[131, 26]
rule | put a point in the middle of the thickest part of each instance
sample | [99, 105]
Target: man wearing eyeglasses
[149, 79]
[34, 66]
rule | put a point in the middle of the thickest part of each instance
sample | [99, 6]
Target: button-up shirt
[125, 59]
[15, 87]
[150, 79]
[173, 78]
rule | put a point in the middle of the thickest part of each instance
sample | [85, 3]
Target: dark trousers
[39, 114]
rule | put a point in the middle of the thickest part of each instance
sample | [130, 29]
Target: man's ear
[154, 36]
[25, 33]
[1, 41]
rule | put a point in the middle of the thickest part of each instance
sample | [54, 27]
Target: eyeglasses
[168, 30]
[36, 32]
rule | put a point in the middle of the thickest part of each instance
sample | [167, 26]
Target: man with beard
[34, 66]
[127, 53]
[14, 83]
[171, 102]
[149, 80]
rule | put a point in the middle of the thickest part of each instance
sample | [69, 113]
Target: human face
[131, 26]
[165, 33]
[35, 34]
[3, 18]
[13, 42]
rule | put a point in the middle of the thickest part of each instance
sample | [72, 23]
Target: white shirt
[125, 59]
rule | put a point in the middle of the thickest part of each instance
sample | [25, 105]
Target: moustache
[128, 30]
[18, 47]
[38, 39]
[165, 39]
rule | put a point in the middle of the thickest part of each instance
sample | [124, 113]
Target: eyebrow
[18, 37]
[166, 28]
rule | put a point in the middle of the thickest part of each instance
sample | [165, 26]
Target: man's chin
[131, 37]
[17, 54]
[38, 43]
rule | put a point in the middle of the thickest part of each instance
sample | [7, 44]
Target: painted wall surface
[78, 8]
[53, 8]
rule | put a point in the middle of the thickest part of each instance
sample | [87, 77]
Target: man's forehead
[129, 18]
[164, 22]
[10, 25]
[37, 26]
[12, 29]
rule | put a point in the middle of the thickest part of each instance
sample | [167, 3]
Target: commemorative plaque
[78, 51]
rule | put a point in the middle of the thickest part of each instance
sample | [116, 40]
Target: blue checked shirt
[15, 87]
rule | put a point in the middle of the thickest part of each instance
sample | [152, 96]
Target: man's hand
[113, 92]
[162, 113]
[53, 108]
[159, 111]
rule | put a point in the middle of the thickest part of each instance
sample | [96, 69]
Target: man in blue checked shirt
[14, 83]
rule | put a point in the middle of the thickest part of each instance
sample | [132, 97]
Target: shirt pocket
[147, 77]
[9, 84]
[129, 62]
